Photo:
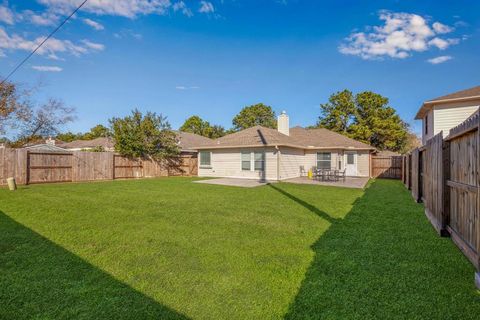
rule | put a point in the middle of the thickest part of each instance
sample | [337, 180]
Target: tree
[338, 113]
[197, 125]
[99, 131]
[14, 106]
[46, 120]
[378, 124]
[146, 136]
[254, 115]
[68, 136]
[365, 117]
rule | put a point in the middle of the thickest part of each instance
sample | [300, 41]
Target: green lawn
[170, 248]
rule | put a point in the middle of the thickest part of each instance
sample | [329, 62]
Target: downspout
[278, 162]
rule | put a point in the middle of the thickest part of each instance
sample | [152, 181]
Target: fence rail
[29, 167]
[445, 175]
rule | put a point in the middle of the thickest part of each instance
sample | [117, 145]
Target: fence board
[387, 167]
[43, 167]
[415, 175]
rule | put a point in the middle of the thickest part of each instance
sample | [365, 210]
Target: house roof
[301, 138]
[188, 141]
[45, 148]
[459, 96]
[106, 143]
[42, 141]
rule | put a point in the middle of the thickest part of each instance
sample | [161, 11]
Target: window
[259, 158]
[324, 160]
[246, 161]
[205, 159]
[426, 124]
[350, 158]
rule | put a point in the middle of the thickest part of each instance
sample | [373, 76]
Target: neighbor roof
[106, 143]
[45, 148]
[301, 138]
[459, 96]
[188, 141]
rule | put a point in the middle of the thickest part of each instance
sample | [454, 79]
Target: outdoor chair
[342, 174]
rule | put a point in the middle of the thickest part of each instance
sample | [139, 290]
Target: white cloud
[441, 28]
[94, 24]
[47, 18]
[93, 45]
[399, 36]
[50, 49]
[47, 68]
[6, 15]
[182, 7]
[125, 8]
[440, 59]
[187, 88]
[206, 7]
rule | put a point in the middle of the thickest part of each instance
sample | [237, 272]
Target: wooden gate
[387, 167]
[43, 167]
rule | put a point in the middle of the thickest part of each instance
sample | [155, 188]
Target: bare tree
[14, 106]
[47, 119]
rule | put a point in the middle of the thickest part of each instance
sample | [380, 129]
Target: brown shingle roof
[324, 138]
[259, 136]
[106, 143]
[188, 141]
[467, 94]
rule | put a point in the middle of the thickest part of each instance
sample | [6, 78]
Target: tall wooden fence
[29, 167]
[387, 167]
[445, 177]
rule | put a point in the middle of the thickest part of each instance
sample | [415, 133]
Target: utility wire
[41, 43]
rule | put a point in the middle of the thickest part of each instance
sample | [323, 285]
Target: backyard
[169, 248]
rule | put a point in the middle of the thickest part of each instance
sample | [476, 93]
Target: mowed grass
[172, 249]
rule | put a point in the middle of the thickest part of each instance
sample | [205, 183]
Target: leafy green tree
[366, 117]
[99, 131]
[378, 124]
[68, 136]
[338, 113]
[254, 115]
[146, 136]
[197, 125]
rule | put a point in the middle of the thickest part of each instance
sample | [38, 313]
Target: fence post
[27, 168]
[446, 188]
[113, 165]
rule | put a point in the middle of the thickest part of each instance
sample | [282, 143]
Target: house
[271, 154]
[102, 143]
[49, 145]
[446, 112]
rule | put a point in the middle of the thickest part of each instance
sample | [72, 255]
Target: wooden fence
[387, 167]
[444, 175]
[28, 167]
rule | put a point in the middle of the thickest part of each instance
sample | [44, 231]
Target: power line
[41, 43]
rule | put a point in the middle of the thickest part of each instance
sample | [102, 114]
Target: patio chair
[342, 174]
[303, 173]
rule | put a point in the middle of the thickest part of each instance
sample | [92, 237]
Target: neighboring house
[446, 112]
[387, 153]
[271, 154]
[105, 144]
[49, 145]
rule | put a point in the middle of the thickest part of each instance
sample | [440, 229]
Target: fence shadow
[383, 260]
[39, 279]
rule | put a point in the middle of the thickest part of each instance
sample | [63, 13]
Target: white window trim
[252, 160]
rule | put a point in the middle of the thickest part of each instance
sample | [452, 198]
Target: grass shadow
[384, 261]
[39, 279]
[304, 204]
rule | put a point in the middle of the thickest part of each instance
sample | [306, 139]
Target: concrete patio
[350, 182]
[233, 182]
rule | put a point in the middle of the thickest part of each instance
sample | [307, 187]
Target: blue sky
[211, 58]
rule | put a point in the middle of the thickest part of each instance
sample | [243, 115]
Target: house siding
[430, 117]
[447, 117]
[363, 163]
[291, 160]
[227, 163]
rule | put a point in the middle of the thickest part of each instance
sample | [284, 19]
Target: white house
[271, 154]
[446, 112]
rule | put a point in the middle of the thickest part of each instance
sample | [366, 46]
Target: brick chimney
[283, 123]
